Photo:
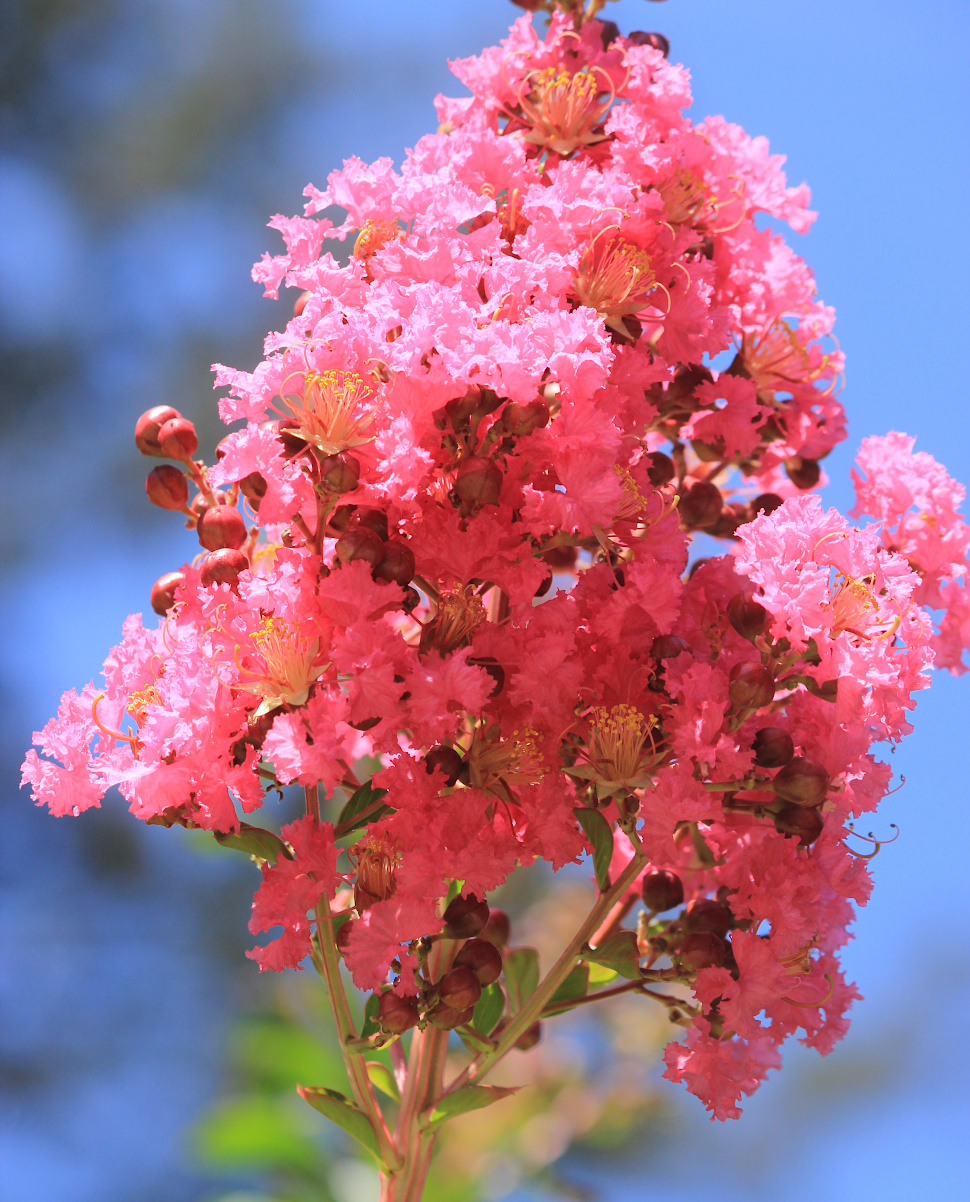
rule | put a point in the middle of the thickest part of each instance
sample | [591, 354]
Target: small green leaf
[383, 1078]
[574, 986]
[255, 842]
[489, 1009]
[369, 1025]
[599, 974]
[619, 952]
[344, 1113]
[359, 801]
[521, 975]
[471, 1097]
[600, 834]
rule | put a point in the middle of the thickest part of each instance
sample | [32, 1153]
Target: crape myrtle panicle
[561, 345]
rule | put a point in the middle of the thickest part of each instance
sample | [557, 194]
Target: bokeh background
[143, 145]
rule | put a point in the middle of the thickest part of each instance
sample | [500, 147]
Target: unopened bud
[529, 1038]
[177, 438]
[253, 488]
[561, 559]
[163, 592]
[167, 487]
[703, 950]
[459, 988]
[223, 567]
[446, 760]
[358, 542]
[802, 781]
[662, 890]
[498, 929]
[300, 303]
[342, 937]
[446, 1018]
[701, 505]
[222, 526]
[520, 420]
[751, 686]
[766, 502]
[661, 470]
[147, 427]
[669, 646]
[479, 482]
[372, 519]
[797, 821]
[727, 524]
[293, 442]
[395, 1015]
[483, 958]
[747, 617]
[772, 747]
[609, 32]
[340, 472]
[397, 566]
[465, 917]
[341, 517]
[803, 473]
[656, 40]
[703, 914]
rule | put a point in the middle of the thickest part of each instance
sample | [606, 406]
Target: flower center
[374, 235]
[562, 108]
[615, 742]
[615, 278]
[377, 863]
[856, 609]
[290, 665]
[777, 358]
[460, 611]
[327, 413]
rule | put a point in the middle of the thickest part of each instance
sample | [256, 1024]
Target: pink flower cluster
[453, 533]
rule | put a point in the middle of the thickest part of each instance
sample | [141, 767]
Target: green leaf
[620, 953]
[599, 974]
[489, 1009]
[574, 986]
[383, 1078]
[471, 1097]
[369, 1025]
[255, 842]
[521, 970]
[600, 834]
[344, 1113]
[360, 799]
[255, 1132]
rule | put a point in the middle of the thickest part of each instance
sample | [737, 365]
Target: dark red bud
[523, 419]
[661, 470]
[412, 599]
[177, 438]
[701, 505]
[529, 1038]
[447, 760]
[359, 543]
[460, 988]
[223, 567]
[498, 929]
[200, 503]
[465, 917]
[656, 40]
[342, 938]
[662, 890]
[483, 958]
[798, 822]
[340, 518]
[395, 1015]
[703, 950]
[751, 686]
[163, 592]
[727, 524]
[803, 473]
[747, 617]
[340, 472]
[460, 408]
[705, 915]
[147, 427]
[772, 747]
[609, 32]
[167, 487]
[802, 781]
[446, 1018]
[372, 519]
[253, 488]
[766, 502]
[300, 303]
[479, 482]
[293, 442]
[397, 566]
[669, 646]
[561, 559]
[222, 526]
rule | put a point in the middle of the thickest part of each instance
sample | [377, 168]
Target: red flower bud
[766, 502]
[803, 473]
[293, 442]
[772, 747]
[340, 472]
[465, 917]
[802, 781]
[483, 958]
[662, 890]
[177, 438]
[751, 686]
[498, 929]
[609, 32]
[342, 938]
[656, 40]
[669, 646]
[358, 542]
[700, 506]
[459, 988]
[163, 592]
[447, 760]
[446, 1018]
[702, 914]
[147, 427]
[372, 519]
[748, 618]
[222, 526]
[167, 487]
[395, 1015]
[561, 559]
[253, 488]
[479, 482]
[520, 420]
[703, 950]
[798, 821]
[661, 470]
[223, 567]
[397, 566]
[529, 1038]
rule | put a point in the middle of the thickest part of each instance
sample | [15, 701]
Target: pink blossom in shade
[719, 1072]
[376, 937]
[291, 888]
[761, 981]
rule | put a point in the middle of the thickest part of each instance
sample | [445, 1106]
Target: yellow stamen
[290, 665]
[616, 279]
[616, 741]
[330, 413]
[562, 109]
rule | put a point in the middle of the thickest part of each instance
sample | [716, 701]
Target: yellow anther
[333, 411]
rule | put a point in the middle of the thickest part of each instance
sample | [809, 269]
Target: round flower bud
[397, 566]
[802, 781]
[656, 40]
[751, 686]
[447, 760]
[561, 559]
[479, 482]
[446, 1018]
[300, 303]
[147, 427]
[498, 929]
[293, 442]
[342, 937]
[799, 822]
[222, 526]
[662, 890]
[340, 472]
[167, 487]
[609, 32]
[701, 505]
[766, 502]
[223, 567]
[483, 958]
[669, 646]
[727, 524]
[520, 420]
[253, 488]
[465, 917]
[459, 988]
[703, 949]
[803, 473]
[772, 747]
[163, 592]
[395, 1015]
[177, 438]
[661, 470]
[529, 1038]
[358, 542]
[747, 617]
[702, 914]
[374, 520]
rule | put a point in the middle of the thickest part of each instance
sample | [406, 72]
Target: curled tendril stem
[820, 1002]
